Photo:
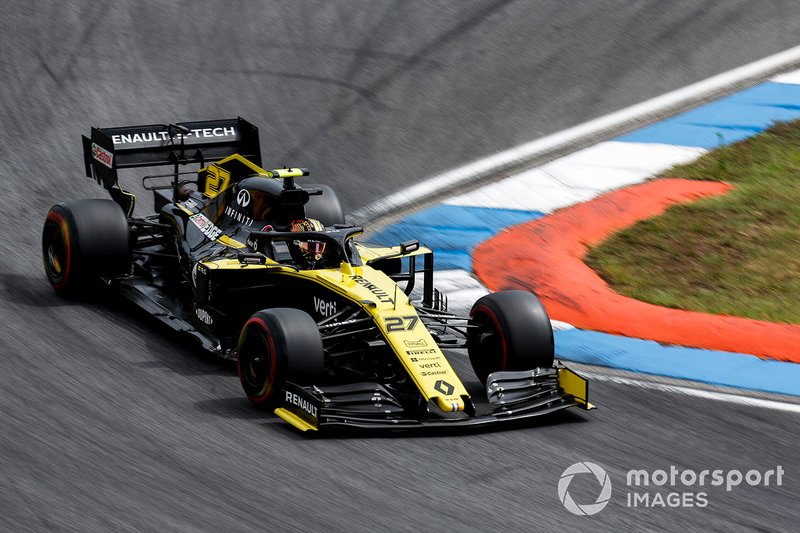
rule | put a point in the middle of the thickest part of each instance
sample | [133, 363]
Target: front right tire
[511, 331]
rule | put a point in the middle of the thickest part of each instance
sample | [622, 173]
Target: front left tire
[276, 346]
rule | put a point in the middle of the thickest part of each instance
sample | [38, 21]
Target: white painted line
[748, 401]
[611, 165]
[560, 141]
[579, 177]
[532, 190]
[792, 78]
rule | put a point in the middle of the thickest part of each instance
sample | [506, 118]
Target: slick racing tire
[325, 207]
[83, 240]
[276, 346]
[512, 332]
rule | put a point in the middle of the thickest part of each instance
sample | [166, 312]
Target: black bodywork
[365, 384]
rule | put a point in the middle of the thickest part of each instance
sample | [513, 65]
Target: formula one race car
[262, 270]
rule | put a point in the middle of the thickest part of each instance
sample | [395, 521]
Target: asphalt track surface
[108, 423]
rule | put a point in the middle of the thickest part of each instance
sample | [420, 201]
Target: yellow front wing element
[578, 387]
[294, 420]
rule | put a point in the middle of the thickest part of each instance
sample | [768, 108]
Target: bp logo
[584, 468]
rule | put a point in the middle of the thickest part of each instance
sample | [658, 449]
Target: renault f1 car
[260, 269]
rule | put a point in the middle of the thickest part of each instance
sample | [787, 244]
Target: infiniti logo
[243, 197]
[584, 468]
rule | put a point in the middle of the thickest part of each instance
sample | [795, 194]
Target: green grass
[738, 254]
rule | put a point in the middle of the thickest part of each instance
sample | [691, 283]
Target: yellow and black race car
[262, 270]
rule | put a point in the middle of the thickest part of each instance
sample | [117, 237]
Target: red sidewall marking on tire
[273, 360]
[53, 216]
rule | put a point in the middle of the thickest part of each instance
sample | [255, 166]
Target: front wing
[512, 396]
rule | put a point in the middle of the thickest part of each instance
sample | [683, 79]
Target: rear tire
[325, 207]
[513, 333]
[276, 346]
[83, 240]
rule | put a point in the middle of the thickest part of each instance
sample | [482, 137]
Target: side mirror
[409, 246]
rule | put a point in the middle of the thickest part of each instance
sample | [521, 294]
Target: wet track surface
[109, 423]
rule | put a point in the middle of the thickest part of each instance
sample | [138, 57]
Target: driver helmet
[311, 250]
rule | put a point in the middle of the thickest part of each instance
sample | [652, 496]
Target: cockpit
[263, 200]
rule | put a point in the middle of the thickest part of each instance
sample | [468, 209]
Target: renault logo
[444, 387]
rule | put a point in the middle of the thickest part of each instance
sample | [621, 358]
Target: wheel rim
[55, 252]
[490, 344]
[256, 370]
[490, 337]
[489, 348]
[257, 364]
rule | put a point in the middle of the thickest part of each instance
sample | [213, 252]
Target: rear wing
[111, 149]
